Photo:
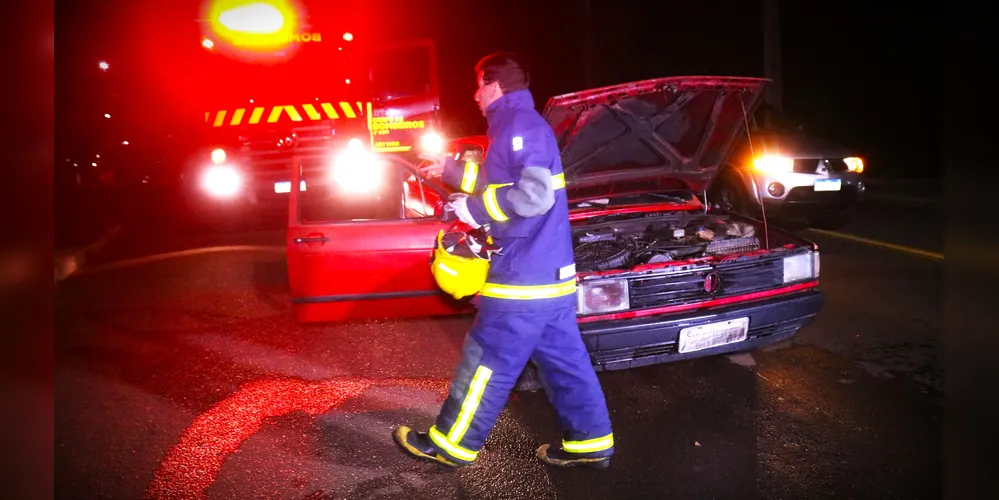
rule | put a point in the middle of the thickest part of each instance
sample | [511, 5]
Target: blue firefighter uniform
[527, 307]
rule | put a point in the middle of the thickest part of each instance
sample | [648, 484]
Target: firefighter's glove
[459, 203]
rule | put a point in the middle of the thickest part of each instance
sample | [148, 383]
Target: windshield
[310, 71]
[769, 118]
[401, 72]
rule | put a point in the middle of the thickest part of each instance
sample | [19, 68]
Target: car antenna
[763, 210]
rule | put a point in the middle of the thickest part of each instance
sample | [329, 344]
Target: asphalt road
[186, 376]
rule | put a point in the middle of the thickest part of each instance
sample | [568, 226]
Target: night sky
[852, 73]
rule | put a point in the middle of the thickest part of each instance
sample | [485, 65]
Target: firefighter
[526, 308]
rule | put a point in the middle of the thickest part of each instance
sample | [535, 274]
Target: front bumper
[623, 344]
[798, 192]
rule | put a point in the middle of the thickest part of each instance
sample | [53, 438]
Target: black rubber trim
[363, 296]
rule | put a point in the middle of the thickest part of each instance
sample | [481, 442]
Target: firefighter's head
[499, 73]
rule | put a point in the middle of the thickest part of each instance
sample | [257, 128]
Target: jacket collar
[518, 99]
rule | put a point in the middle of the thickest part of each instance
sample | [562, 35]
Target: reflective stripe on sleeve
[528, 292]
[468, 180]
[590, 445]
[558, 181]
[489, 198]
[492, 204]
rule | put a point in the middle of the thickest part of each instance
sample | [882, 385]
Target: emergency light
[254, 24]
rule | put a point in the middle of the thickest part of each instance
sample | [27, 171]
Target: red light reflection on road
[193, 464]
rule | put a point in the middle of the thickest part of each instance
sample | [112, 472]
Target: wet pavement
[187, 376]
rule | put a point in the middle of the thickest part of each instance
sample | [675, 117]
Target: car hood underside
[677, 128]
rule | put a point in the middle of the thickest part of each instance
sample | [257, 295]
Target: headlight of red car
[602, 296]
[801, 267]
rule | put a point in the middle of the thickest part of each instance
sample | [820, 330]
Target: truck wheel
[830, 220]
[727, 195]
[529, 380]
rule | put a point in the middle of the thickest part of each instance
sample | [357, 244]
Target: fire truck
[279, 81]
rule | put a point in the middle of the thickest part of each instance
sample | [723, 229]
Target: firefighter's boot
[561, 458]
[419, 445]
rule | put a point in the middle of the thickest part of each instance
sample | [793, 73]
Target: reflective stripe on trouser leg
[572, 386]
[450, 442]
[590, 445]
[493, 357]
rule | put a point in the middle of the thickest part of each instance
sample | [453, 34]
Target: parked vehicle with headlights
[787, 172]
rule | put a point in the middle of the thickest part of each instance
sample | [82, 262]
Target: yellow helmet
[460, 264]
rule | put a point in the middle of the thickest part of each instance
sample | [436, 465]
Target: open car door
[361, 248]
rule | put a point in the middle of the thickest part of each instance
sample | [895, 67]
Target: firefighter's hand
[460, 206]
[434, 166]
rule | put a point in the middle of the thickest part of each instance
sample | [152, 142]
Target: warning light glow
[254, 24]
[348, 37]
[255, 18]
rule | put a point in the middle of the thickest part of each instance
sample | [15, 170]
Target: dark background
[853, 72]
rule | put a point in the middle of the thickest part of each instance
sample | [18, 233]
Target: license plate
[285, 187]
[711, 335]
[828, 185]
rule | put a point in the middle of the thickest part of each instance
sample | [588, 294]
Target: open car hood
[677, 129]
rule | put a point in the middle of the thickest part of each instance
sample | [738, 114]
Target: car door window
[421, 201]
[382, 192]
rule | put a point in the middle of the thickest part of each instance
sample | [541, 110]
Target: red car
[660, 276]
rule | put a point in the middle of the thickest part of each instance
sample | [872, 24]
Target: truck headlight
[602, 296]
[357, 169]
[223, 181]
[801, 267]
[432, 142]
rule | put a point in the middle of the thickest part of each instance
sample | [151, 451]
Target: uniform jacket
[519, 192]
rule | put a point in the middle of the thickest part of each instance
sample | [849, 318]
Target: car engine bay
[620, 242]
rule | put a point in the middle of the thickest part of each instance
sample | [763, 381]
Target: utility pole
[588, 44]
[771, 54]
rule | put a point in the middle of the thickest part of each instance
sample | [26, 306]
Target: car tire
[529, 380]
[727, 194]
[830, 220]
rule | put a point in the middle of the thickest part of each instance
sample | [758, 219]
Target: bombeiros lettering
[306, 37]
[383, 125]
